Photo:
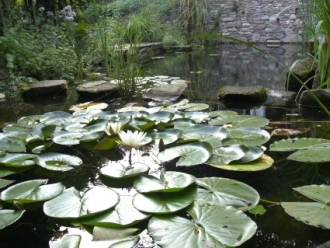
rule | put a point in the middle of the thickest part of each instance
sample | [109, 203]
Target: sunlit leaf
[57, 161]
[314, 154]
[226, 154]
[17, 159]
[67, 138]
[288, 145]
[118, 170]
[247, 136]
[168, 135]
[9, 216]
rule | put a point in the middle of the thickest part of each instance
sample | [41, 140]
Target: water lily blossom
[131, 139]
[113, 128]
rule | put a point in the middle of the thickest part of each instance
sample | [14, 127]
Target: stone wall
[256, 21]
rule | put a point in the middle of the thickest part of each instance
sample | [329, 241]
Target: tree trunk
[33, 12]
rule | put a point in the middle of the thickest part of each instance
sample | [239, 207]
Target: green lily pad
[226, 154]
[5, 182]
[164, 203]
[31, 191]
[9, 216]
[70, 204]
[212, 225]
[29, 120]
[183, 123]
[192, 107]
[214, 139]
[15, 136]
[40, 133]
[55, 118]
[262, 163]
[190, 154]
[252, 153]
[123, 215]
[198, 117]
[161, 116]
[238, 121]
[168, 135]
[94, 126]
[67, 138]
[316, 192]
[314, 154]
[247, 136]
[222, 114]
[17, 159]
[117, 170]
[57, 161]
[288, 145]
[170, 181]
[107, 143]
[227, 192]
[11, 146]
[69, 241]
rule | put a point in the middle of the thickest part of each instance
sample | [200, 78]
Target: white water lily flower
[131, 139]
[113, 128]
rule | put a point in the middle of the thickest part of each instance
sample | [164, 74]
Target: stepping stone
[165, 93]
[45, 88]
[98, 89]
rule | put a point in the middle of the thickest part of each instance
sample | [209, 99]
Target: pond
[207, 71]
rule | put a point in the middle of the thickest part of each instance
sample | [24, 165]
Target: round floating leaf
[40, 133]
[192, 107]
[57, 161]
[312, 213]
[161, 116]
[314, 154]
[226, 154]
[183, 123]
[89, 105]
[96, 126]
[289, 145]
[190, 154]
[5, 182]
[119, 171]
[107, 143]
[9, 216]
[67, 138]
[29, 120]
[247, 136]
[169, 181]
[15, 136]
[222, 114]
[70, 241]
[252, 153]
[17, 159]
[212, 226]
[31, 191]
[240, 121]
[262, 163]
[11, 146]
[164, 203]
[90, 137]
[123, 215]
[168, 135]
[71, 205]
[227, 192]
[316, 192]
[214, 139]
[55, 117]
[198, 117]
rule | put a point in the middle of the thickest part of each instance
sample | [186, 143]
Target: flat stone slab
[165, 93]
[96, 89]
[306, 100]
[45, 88]
[242, 94]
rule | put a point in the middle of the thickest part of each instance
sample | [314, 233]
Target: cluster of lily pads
[184, 134]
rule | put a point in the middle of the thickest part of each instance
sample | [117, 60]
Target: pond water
[227, 65]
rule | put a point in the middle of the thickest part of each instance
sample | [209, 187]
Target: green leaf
[31, 191]
[251, 154]
[70, 204]
[17, 159]
[259, 209]
[314, 154]
[55, 117]
[289, 145]
[222, 114]
[247, 136]
[112, 234]
[57, 161]
[70, 241]
[262, 163]
[5, 182]
[315, 192]
[67, 138]
[170, 181]
[117, 170]
[226, 154]
[8, 217]
[238, 121]
[311, 213]
[107, 143]
[198, 117]
[212, 226]
[15, 136]
[164, 203]
[183, 123]
[168, 135]
[161, 116]
[190, 154]
[40, 133]
[227, 192]
[192, 107]
[11, 146]
[123, 215]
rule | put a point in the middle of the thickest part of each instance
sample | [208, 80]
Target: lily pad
[67, 138]
[212, 225]
[262, 163]
[226, 154]
[190, 154]
[11, 146]
[17, 159]
[55, 117]
[161, 116]
[31, 191]
[314, 154]
[58, 161]
[222, 114]
[164, 203]
[123, 215]
[70, 204]
[40, 133]
[70, 241]
[119, 171]
[192, 107]
[5, 182]
[168, 135]
[9, 216]
[288, 145]
[170, 181]
[247, 136]
[240, 121]
[227, 192]
[198, 117]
